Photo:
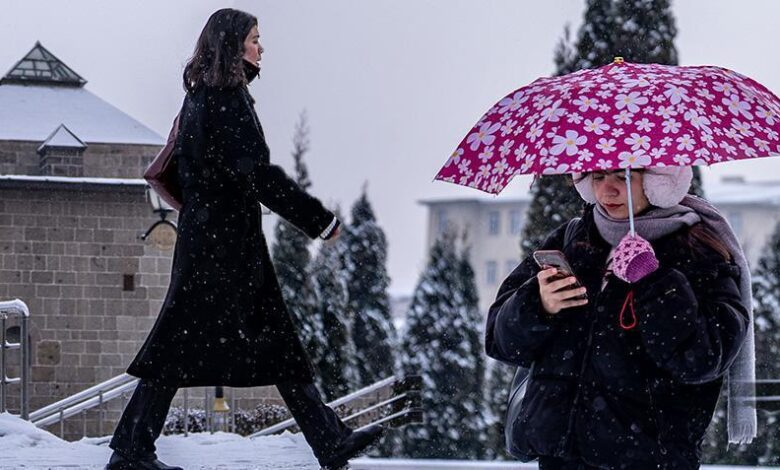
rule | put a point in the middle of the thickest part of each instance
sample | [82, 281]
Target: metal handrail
[392, 380]
[19, 309]
[82, 397]
[288, 423]
[63, 410]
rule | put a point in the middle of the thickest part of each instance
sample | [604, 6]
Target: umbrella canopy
[621, 115]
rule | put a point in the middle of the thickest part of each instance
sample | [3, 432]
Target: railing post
[3, 381]
[17, 308]
[206, 423]
[233, 410]
[101, 415]
[186, 412]
[26, 364]
[62, 423]
[83, 423]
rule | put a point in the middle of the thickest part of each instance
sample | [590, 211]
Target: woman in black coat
[622, 381]
[224, 321]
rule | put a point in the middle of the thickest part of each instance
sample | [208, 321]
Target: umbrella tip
[618, 60]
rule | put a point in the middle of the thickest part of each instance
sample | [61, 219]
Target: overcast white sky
[390, 86]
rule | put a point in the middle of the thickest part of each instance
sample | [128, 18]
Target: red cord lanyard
[630, 303]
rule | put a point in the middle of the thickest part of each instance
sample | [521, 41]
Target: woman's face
[252, 47]
[611, 193]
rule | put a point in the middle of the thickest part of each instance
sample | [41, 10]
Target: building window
[735, 220]
[494, 222]
[511, 264]
[491, 272]
[515, 222]
[441, 221]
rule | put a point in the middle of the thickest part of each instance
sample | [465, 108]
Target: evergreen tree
[645, 31]
[442, 345]
[595, 44]
[765, 449]
[291, 259]
[365, 259]
[336, 366]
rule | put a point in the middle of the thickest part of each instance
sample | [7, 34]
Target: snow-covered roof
[30, 112]
[741, 192]
[40, 93]
[62, 137]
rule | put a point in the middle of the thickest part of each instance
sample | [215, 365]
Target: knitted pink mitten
[633, 259]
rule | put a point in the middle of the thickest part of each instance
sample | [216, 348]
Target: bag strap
[568, 235]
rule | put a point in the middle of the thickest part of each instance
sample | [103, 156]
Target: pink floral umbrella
[621, 115]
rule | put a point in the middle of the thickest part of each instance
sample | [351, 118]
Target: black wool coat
[223, 321]
[614, 398]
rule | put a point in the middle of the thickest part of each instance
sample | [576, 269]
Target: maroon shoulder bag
[161, 174]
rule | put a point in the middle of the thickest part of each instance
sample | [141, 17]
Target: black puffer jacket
[614, 398]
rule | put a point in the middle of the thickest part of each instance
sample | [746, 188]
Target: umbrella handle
[630, 202]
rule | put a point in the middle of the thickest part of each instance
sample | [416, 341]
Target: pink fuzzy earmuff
[663, 186]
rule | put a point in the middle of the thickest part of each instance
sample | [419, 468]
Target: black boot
[332, 441]
[140, 425]
[118, 462]
[352, 446]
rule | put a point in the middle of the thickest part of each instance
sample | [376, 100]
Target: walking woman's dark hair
[217, 60]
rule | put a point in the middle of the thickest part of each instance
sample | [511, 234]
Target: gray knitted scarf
[658, 222]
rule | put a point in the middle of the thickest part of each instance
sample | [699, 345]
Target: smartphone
[556, 259]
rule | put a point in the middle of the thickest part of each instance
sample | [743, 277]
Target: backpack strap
[568, 235]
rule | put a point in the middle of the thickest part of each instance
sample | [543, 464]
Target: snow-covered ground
[23, 446]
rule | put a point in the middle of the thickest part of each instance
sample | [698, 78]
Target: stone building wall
[70, 251]
[99, 160]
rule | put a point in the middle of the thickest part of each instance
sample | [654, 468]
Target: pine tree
[365, 259]
[336, 366]
[442, 345]
[595, 44]
[765, 449]
[645, 31]
[291, 259]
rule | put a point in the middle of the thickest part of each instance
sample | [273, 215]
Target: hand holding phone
[558, 287]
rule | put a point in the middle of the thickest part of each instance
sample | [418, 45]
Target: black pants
[556, 463]
[144, 417]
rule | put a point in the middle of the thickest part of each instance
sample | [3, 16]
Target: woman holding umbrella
[624, 370]
[224, 321]
[629, 377]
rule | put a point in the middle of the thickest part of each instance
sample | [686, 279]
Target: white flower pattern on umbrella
[631, 101]
[586, 103]
[635, 159]
[606, 145]
[483, 136]
[617, 116]
[597, 126]
[685, 143]
[737, 106]
[637, 141]
[567, 143]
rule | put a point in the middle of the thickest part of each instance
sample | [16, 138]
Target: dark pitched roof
[41, 67]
